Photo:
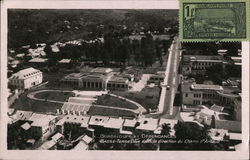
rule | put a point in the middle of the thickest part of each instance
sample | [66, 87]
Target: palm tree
[165, 129]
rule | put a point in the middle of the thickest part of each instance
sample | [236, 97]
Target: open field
[54, 95]
[148, 97]
[110, 112]
[24, 103]
[108, 100]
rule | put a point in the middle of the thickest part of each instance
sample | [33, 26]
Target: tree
[48, 51]
[165, 129]
[216, 73]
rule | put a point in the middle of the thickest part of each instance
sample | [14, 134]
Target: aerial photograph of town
[118, 79]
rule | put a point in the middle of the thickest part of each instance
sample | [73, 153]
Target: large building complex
[197, 64]
[117, 83]
[26, 78]
[96, 79]
[196, 94]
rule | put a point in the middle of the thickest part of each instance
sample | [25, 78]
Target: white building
[196, 94]
[26, 78]
[198, 64]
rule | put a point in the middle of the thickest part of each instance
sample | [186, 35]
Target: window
[186, 95]
[196, 102]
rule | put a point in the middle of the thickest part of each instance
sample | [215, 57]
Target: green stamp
[214, 20]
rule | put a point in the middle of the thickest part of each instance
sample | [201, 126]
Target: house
[42, 126]
[205, 116]
[70, 122]
[114, 124]
[38, 62]
[73, 80]
[196, 94]
[26, 78]
[96, 122]
[83, 143]
[156, 78]
[93, 80]
[129, 124]
[117, 83]
[64, 63]
[228, 95]
[198, 64]
[57, 137]
[147, 125]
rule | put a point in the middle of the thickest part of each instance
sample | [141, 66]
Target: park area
[27, 104]
[55, 95]
[148, 97]
[108, 100]
[94, 110]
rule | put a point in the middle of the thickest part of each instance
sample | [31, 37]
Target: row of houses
[42, 126]
[119, 125]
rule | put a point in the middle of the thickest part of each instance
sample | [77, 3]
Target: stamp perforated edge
[214, 40]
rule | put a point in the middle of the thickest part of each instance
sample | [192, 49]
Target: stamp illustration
[214, 20]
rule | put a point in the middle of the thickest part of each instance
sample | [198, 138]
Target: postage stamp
[216, 20]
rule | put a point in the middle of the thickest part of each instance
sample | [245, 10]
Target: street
[170, 85]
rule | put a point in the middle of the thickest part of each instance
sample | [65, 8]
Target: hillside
[48, 26]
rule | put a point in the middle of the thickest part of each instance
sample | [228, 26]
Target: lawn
[110, 112]
[55, 95]
[148, 97]
[24, 103]
[108, 100]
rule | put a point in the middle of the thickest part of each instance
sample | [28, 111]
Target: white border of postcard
[90, 4]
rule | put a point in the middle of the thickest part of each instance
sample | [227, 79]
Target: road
[166, 108]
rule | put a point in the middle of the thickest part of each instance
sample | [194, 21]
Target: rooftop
[217, 108]
[200, 57]
[206, 87]
[116, 79]
[81, 146]
[83, 120]
[75, 76]
[40, 120]
[77, 107]
[21, 115]
[25, 73]
[101, 70]
[56, 137]
[218, 134]
[65, 61]
[98, 120]
[129, 122]
[148, 124]
[38, 60]
[230, 91]
[86, 139]
[115, 123]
